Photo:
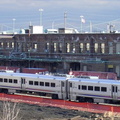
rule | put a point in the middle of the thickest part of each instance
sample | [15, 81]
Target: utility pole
[41, 10]
[65, 17]
[90, 27]
[82, 21]
[13, 25]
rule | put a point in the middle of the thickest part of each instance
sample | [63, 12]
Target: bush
[10, 111]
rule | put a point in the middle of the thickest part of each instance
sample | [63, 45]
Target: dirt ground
[36, 112]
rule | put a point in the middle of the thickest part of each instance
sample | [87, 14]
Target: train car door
[72, 91]
[69, 90]
[64, 92]
[23, 83]
[114, 91]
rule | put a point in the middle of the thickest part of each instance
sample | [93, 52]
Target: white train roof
[104, 81]
[26, 75]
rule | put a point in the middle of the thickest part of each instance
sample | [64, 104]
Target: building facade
[62, 52]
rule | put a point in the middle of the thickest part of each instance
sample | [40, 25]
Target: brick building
[62, 52]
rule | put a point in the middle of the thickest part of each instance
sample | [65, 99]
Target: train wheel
[90, 100]
[81, 99]
[5, 91]
[54, 96]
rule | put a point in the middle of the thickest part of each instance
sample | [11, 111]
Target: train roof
[104, 81]
[27, 75]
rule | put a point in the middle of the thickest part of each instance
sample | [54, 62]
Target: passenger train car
[41, 84]
[74, 89]
[97, 91]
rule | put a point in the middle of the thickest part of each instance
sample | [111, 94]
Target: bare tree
[10, 111]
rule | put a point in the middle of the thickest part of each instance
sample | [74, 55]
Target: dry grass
[10, 111]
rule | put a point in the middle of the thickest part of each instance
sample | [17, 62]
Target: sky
[22, 13]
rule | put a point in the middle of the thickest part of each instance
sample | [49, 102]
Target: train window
[41, 83]
[84, 87]
[30, 82]
[52, 84]
[46, 83]
[79, 87]
[5, 79]
[23, 80]
[114, 89]
[90, 87]
[36, 83]
[70, 84]
[1, 79]
[62, 83]
[10, 80]
[15, 81]
[97, 88]
[103, 89]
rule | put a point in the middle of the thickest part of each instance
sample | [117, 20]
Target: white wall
[36, 29]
